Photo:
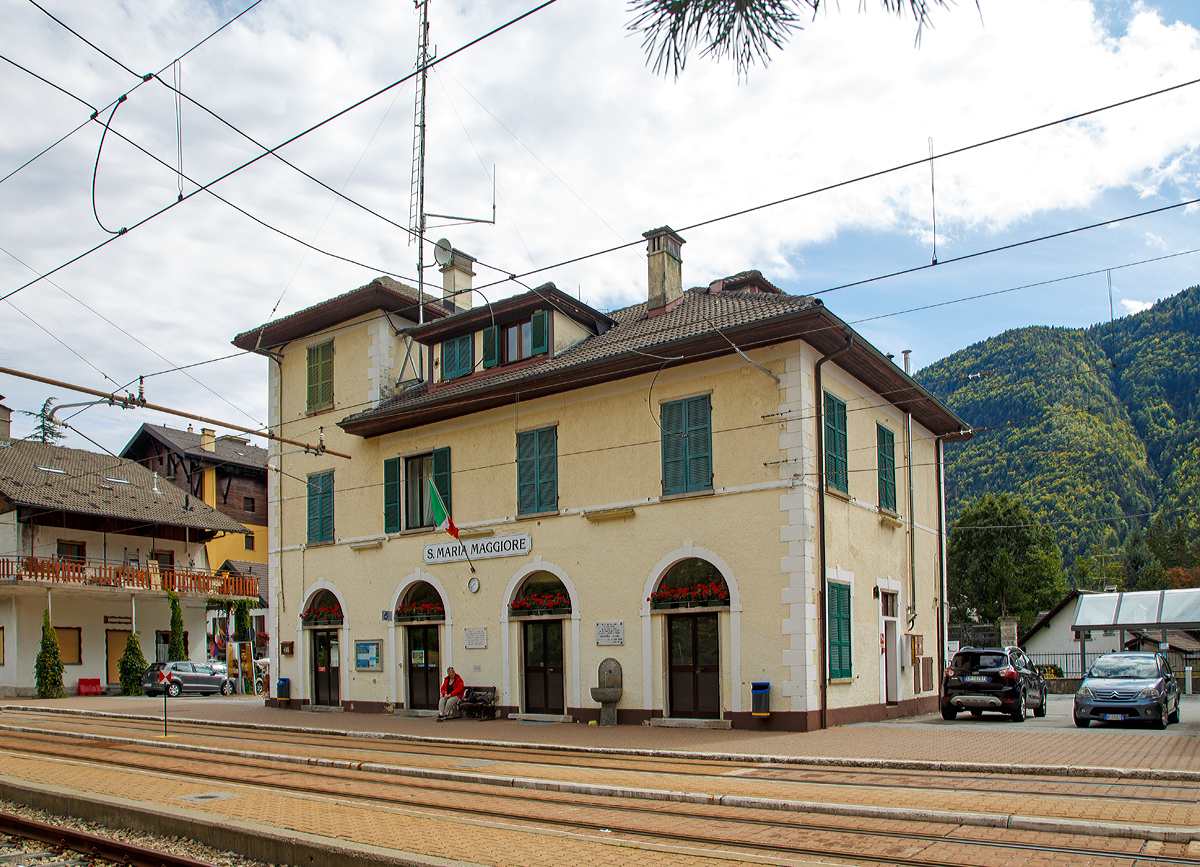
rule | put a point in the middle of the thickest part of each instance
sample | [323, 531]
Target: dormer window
[504, 344]
[458, 356]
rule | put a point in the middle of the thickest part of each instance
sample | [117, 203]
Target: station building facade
[717, 487]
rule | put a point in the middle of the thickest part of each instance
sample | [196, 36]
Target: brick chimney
[664, 262]
[5, 418]
[456, 278]
[208, 439]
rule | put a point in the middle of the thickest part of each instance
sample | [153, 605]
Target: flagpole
[442, 519]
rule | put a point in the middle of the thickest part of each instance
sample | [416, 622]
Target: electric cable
[284, 143]
[96, 167]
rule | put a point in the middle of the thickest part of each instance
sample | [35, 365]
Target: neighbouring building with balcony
[719, 488]
[99, 541]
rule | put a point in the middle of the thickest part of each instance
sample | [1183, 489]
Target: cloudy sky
[588, 148]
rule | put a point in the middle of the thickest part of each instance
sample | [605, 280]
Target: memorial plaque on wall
[610, 632]
[476, 637]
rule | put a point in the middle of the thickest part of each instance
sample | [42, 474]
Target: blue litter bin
[283, 689]
[760, 704]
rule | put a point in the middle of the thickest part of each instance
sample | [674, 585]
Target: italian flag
[441, 517]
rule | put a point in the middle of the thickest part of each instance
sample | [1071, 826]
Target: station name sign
[479, 549]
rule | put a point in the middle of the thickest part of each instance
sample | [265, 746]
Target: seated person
[452, 691]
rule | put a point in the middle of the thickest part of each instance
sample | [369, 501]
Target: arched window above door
[691, 583]
[323, 610]
[540, 593]
[421, 602]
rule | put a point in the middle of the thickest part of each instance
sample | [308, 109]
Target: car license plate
[975, 678]
[1114, 717]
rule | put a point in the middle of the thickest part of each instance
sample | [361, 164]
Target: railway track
[30, 843]
[715, 832]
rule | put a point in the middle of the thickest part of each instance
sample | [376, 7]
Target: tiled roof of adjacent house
[226, 450]
[248, 569]
[43, 476]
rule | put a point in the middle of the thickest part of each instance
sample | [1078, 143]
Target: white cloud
[1131, 306]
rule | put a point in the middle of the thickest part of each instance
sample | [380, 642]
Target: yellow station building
[719, 487]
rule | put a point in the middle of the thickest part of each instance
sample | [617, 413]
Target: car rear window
[968, 662]
[156, 666]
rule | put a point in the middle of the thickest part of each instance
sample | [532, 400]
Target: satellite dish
[443, 252]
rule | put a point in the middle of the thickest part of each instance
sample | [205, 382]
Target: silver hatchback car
[1128, 686]
[180, 677]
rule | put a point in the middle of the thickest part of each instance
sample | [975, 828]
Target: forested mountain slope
[1085, 425]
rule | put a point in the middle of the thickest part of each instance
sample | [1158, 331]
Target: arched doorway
[323, 619]
[541, 603]
[421, 612]
[688, 593]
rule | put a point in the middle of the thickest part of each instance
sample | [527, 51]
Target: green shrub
[48, 668]
[132, 666]
[176, 652]
[1050, 670]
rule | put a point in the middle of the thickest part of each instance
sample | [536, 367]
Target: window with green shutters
[503, 344]
[887, 467]
[836, 475]
[391, 495]
[839, 630]
[458, 356]
[418, 470]
[320, 377]
[687, 445]
[320, 508]
[537, 471]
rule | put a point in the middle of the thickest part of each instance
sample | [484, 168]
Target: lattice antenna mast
[416, 205]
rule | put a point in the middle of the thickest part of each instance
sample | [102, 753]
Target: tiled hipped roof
[95, 484]
[703, 324]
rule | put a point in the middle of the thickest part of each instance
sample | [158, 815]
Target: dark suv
[998, 679]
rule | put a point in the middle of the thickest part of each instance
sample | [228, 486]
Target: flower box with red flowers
[326, 615]
[536, 605]
[420, 611]
[715, 595]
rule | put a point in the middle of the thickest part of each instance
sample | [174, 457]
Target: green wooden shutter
[698, 425]
[887, 467]
[391, 495]
[674, 449]
[320, 376]
[314, 378]
[466, 354]
[441, 476]
[839, 630]
[314, 508]
[527, 472]
[491, 346]
[539, 333]
[835, 444]
[327, 507]
[547, 469]
[449, 359]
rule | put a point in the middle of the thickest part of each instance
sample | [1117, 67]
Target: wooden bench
[482, 705]
[90, 686]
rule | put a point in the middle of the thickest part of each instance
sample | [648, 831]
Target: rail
[107, 574]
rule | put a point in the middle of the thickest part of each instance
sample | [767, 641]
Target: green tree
[1001, 561]
[744, 30]
[132, 666]
[46, 430]
[1142, 569]
[176, 652]
[241, 620]
[48, 667]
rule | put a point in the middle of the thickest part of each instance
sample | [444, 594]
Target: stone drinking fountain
[608, 693]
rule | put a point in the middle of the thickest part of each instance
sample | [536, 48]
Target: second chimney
[208, 439]
[456, 279]
[664, 262]
[5, 421]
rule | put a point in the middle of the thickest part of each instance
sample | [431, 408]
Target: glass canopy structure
[1142, 610]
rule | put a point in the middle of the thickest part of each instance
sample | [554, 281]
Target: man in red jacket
[452, 691]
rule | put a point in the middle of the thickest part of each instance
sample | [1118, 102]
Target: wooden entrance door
[695, 655]
[114, 647]
[326, 667]
[424, 667]
[544, 684]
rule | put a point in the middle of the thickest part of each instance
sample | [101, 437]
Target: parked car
[193, 677]
[1128, 686]
[218, 666]
[1001, 679]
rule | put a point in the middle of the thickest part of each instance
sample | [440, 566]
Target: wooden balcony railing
[101, 573]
